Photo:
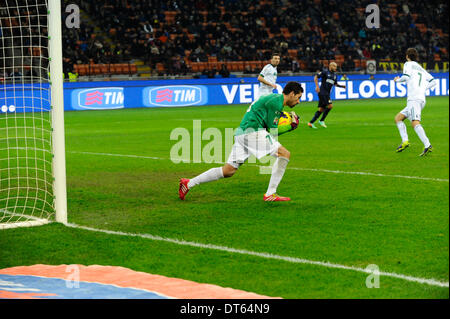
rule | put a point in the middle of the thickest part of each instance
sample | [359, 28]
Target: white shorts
[259, 144]
[413, 110]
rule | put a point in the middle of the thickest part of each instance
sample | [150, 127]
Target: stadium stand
[181, 37]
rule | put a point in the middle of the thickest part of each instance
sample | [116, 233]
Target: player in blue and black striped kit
[329, 79]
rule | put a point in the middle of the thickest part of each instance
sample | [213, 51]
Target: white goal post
[32, 147]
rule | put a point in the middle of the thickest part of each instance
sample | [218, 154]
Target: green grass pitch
[394, 219]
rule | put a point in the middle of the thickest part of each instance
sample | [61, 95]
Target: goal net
[29, 112]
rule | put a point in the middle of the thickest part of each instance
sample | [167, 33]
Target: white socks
[421, 133]
[210, 175]
[214, 174]
[277, 174]
[402, 129]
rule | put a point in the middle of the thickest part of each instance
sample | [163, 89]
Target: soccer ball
[285, 119]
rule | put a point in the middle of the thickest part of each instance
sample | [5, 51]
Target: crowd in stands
[175, 33]
[171, 35]
[23, 40]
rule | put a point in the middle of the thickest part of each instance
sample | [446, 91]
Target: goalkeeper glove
[295, 120]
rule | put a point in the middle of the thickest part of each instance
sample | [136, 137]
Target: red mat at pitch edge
[127, 278]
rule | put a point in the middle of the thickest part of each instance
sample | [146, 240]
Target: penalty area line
[290, 168]
[431, 282]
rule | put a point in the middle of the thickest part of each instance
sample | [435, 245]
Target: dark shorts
[324, 100]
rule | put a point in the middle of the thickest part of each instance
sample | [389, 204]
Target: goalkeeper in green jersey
[255, 136]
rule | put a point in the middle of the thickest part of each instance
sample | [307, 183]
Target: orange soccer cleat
[184, 189]
[275, 198]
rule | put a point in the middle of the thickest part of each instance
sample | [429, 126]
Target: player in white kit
[418, 81]
[268, 76]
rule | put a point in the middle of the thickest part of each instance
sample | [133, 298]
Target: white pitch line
[119, 155]
[293, 168]
[370, 174]
[431, 282]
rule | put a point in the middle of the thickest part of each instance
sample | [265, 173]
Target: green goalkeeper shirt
[264, 113]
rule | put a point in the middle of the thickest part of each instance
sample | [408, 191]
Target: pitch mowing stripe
[293, 168]
[431, 282]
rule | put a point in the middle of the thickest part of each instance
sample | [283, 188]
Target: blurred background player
[328, 79]
[254, 137]
[268, 76]
[418, 81]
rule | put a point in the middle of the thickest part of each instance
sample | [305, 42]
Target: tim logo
[165, 95]
[177, 95]
[98, 98]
